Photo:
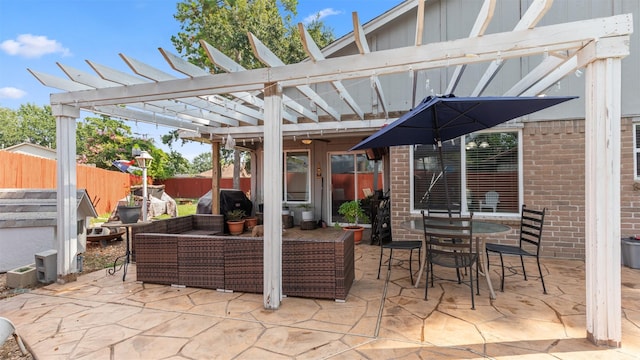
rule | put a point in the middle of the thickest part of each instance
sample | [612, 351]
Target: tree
[30, 124]
[202, 163]
[225, 23]
[102, 140]
[179, 164]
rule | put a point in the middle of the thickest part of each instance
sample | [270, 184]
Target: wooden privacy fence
[194, 188]
[105, 187]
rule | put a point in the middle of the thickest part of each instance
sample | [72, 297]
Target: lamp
[484, 145]
[144, 161]
[471, 145]
[307, 141]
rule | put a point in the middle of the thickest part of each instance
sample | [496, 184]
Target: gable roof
[37, 207]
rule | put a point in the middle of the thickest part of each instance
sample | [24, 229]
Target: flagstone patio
[101, 317]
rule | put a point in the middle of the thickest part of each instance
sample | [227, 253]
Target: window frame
[460, 141]
[285, 191]
[636, 151]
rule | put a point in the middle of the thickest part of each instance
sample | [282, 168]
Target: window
[485, 171]
[296, 182]
[636, 149]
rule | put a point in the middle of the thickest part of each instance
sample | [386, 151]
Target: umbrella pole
[444, 177]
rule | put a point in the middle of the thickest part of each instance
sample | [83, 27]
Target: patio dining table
[481, 230]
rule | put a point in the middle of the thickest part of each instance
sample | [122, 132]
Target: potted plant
[353, 213]
[129, 213]
[250, 222]
[235, 221]
[307, 212]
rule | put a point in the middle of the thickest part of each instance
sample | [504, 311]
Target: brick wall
[553, 177]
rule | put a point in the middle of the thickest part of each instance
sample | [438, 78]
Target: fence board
[105, 187]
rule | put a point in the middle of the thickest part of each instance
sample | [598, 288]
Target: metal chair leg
[502, 278]
[544, 288]
[410, 271]
[380, 264]
[524, 271]
[473, 304]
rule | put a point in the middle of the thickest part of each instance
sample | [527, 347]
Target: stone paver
[101, 317]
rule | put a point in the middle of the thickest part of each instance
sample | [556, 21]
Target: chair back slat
[454, 234]
[455, 213]
[531, 225]
[383, 222]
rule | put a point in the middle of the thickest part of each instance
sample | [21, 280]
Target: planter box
[631, 253]
[22, 277]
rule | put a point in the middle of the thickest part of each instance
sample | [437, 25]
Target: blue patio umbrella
[440, 118]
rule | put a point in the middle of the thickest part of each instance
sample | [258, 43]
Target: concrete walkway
[101, 317]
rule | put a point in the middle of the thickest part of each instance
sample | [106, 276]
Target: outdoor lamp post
[144, 161]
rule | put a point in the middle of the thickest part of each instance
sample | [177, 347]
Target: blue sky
[36, 34]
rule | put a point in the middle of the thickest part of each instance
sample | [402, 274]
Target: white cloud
[321, 15]
[11, 93]
[33, 46]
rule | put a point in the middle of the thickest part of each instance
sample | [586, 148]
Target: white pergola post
[602, 201]
[272, 196]
[67, 219]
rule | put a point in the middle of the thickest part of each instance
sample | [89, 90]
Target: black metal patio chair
[449, 243]
[531, 222]
[383, 230]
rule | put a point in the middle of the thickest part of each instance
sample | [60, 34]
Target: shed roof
[33, 150]
[37, 207]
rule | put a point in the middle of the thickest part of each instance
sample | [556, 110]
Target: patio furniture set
[193, 251]
[455, 241]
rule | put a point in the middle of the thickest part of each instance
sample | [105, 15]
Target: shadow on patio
[101, 317]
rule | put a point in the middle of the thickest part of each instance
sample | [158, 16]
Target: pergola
[252, 103]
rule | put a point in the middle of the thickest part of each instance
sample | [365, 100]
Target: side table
[127, 254]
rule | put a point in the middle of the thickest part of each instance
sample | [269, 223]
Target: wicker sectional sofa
[321, 267]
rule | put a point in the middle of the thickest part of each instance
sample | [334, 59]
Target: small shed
[33, 150]
[28, 220]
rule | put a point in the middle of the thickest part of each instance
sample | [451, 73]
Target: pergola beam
[363, 47]
[270, 59]
[182, 66]
[479, 27]
[227, 64]
[315, 54]
[534, 14]
[567, 36]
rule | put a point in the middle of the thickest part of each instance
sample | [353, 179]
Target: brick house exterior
[553, 170]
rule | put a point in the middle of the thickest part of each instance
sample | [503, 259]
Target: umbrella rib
[460, 115]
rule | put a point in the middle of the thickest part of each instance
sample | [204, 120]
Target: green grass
[187, 209]
[183, 210]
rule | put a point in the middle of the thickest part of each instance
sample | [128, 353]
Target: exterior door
[352, 177]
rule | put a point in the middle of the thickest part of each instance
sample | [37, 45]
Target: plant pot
[250, 222]
[22, 277]
[235, 227]
[307, 215]
[129, 214]
[357, 233]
